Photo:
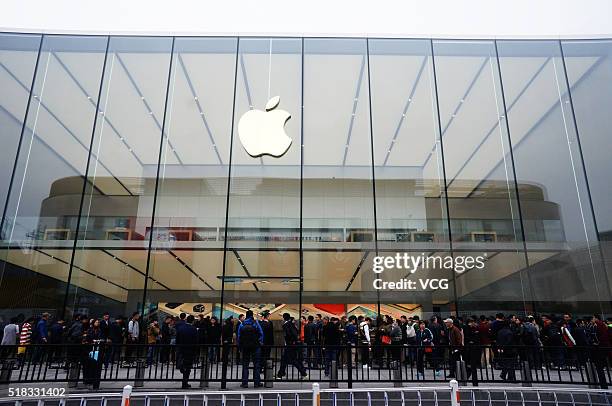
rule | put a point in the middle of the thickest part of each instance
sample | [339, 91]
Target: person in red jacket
[600, 345]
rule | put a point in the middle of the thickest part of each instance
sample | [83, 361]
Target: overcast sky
[384, 18]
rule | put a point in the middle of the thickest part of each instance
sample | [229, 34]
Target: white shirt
[366, 330]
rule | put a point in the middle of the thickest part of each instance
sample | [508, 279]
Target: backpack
[249, 335]
[530, 334]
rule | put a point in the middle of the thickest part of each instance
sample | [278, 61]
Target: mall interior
[125, 187]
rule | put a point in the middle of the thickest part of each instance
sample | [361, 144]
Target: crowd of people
[317, 341]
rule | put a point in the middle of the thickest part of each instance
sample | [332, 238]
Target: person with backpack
[250, 338]
[530, 339]
[290, 355]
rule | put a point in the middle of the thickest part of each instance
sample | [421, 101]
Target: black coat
[115, 333]
[268, 330]
[187, 342]
[213, 335]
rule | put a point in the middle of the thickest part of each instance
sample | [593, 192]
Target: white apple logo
[263, 132]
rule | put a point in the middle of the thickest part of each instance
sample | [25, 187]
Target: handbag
[386, 340]
[429, 349]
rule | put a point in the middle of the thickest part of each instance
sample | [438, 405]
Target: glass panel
[187, 247]
[43, 207]
[17, 62]
[18, 54]
[483, 206]
[338, 213]
[111, 254]
[589, 71]
[409, 173]
[262, 259]
[559, 227]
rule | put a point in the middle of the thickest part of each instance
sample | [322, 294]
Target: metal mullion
[301, 186]
[159, 156]
[229, 179]
[516, 188]
[85, 178]
[448, 221]
[372, 163]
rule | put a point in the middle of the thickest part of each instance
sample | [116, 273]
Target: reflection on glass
[187, 246]
[118, 201]
[263, 226]
[338, 209]
[43, 208]
[555, 205]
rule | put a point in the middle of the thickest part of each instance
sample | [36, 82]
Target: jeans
[249, 354]
[330, 355]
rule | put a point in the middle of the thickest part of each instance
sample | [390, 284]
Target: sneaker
[305, 376]
[259, 385]
[366, 366]
[244, 385]
[437, 373]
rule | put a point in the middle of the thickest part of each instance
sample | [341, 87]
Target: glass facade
[125, 185]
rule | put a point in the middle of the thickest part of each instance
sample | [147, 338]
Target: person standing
[352, 337]
[504, 343]
[365, 341]
[213, 339]
[331, 340]
[9, 338]
[600, 347]
[250, 339]
[455, 342]
[289, 355]
[133, 337]
[424, 342]
[312, 341]
[471, 337]
[187, 345]
[268, 333]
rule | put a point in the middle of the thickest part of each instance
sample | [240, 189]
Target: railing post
[204, 372]
[5, 373]
[396, 374]
[140, 372]
[349, 365]
[455, 397]
[591, 373]
[461, 371]
[333, 374]
[269, 374]
[227, 349]
[316, 394]
[526, 377]
[73, 374]
[125, 396]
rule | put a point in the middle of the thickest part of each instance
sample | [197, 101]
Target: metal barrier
[206, 364]
[451, 394]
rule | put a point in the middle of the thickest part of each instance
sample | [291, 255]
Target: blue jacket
[41, 329]
[249, 322]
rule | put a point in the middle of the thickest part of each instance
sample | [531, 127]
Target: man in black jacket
[506, 351]
[187, 345]
[331, 340]
[268, 340]
[289, 356]
[311, 338]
